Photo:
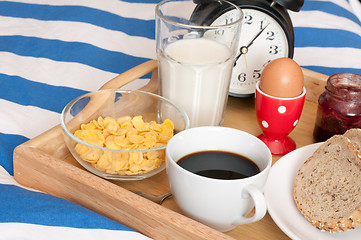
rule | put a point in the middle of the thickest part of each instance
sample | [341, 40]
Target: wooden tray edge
[114, 202]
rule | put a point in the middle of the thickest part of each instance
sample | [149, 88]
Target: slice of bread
[354, 134]
[327, 188]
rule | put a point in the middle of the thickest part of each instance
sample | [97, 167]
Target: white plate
[282, 208]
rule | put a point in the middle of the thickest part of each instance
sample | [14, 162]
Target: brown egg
[283, 78]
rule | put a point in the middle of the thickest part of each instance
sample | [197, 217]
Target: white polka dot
[265, 124]
[282, 109]
[295, 123]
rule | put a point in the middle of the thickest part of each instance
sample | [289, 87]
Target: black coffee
[219, 165]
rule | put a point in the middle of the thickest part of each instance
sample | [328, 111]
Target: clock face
[262, 40]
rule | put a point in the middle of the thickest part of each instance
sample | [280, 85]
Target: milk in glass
[195, 74]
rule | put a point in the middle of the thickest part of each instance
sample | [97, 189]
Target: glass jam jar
[339, 106]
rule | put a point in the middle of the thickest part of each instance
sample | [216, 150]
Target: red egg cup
[277, 117]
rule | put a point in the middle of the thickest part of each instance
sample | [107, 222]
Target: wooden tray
[44, 163]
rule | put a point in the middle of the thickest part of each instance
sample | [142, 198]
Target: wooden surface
[45, 163]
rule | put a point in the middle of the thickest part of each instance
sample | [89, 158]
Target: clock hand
[244, 49]
[245, 60]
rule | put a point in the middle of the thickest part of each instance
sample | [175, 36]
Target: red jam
[339, 106]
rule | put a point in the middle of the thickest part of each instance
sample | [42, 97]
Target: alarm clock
[266, 34]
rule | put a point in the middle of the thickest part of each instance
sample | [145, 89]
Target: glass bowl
[105, 105]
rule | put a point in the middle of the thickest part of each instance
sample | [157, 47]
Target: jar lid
[345, 85]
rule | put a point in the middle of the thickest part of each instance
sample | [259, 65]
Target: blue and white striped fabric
[328, 36]
[54, 50]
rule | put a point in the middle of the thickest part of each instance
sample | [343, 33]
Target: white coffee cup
[220, 204]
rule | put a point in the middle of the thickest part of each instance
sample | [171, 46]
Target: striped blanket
[52, 51]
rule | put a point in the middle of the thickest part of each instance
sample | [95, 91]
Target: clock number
[248, 19]
[261, 27]
[256, 74]
[221, 32]
[242, 77]
[273, 49]
[270, 36]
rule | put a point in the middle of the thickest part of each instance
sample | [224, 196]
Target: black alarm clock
[266, 34]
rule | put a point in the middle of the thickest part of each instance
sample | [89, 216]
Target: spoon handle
[157, 199]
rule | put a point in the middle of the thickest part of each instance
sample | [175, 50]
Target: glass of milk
[196, 52]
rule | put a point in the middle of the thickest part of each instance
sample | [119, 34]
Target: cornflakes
[125, 133]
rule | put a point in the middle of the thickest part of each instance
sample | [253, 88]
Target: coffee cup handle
[259, 203]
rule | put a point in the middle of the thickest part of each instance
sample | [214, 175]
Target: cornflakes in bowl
[121, 134]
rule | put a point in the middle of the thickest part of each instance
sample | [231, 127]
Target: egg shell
[283, 78]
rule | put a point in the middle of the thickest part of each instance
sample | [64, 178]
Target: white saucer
[281, 206]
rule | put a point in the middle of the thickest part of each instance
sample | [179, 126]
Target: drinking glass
[196, 52]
